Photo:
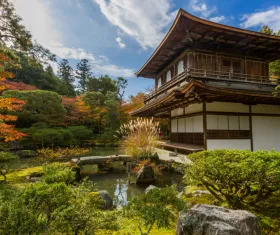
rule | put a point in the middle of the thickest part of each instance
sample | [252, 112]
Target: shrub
[239, 177]
[159, 206]
[60, 153]
[27, 153]
[58, 172]
[80, 134]
[6, 161]
[140, 137]
[56, 208]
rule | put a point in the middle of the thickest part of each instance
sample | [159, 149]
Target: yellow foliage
[59, 153]
[140, 137]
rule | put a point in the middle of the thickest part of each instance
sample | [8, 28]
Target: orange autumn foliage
[7, 131]
[135, 102]
[77, 111]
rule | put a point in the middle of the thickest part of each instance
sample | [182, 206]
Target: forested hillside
[70, 106]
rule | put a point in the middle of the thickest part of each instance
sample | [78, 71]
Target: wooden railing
[202, 73]
[164, 87]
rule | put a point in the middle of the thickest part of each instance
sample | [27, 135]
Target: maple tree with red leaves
[5, 84]
[8, 131]
[76, 111]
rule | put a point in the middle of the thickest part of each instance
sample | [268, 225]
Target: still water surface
[116, 183]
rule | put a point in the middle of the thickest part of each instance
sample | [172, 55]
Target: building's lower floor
[225, 125]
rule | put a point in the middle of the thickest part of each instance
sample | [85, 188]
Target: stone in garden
[149, 188]
[179, 195]
[214, 220]
[145, 175]
[198, 193]
[108, 201]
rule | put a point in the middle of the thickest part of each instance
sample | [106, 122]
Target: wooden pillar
[204, 125]
[251, 129]
[170, 124]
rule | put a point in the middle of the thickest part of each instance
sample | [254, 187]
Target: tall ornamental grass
[140, 137]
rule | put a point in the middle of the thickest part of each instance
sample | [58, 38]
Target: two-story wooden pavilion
[213, 82]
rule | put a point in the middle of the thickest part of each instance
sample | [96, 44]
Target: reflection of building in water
[121, 192]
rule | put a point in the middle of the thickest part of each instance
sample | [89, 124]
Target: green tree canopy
[12, 31]
[102, 84]
[33, 73]
[41, 106]
[274, 67]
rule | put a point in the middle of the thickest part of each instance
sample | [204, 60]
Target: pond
[118, 186]
[95, 151]
[116, 183]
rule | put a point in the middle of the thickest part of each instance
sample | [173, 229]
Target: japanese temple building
[213, 82]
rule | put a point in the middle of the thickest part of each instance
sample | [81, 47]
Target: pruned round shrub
[58, 172]
[239, 177]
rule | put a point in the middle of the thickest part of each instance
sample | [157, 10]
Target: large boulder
[145, 175]
[108, 201]
[214, 220]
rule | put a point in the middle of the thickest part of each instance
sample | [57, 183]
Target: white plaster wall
[265, 108]
[227, 107]
[189, 124]
[193, 108]
[177, 112]
[233, 123]
[181, 125]
[266, 132]
[244, 123]
[198, 123]
[229, 144]
[212, 122]
[224, 122]
[174, 125]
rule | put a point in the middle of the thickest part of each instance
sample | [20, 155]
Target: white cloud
[142, 20]
[201, 7]
[217, 19]
[119, 41]
[44, 29]
[270, 17]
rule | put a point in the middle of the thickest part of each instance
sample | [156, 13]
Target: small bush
[57, 172]
[26, 153]
[159, 206]
[6, 161]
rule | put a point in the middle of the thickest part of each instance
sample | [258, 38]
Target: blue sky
[118, 36]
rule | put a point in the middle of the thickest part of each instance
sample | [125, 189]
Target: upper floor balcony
[193, 73]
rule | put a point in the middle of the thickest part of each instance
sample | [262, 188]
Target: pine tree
[12, 32]
[65, 73]
[83, 74]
